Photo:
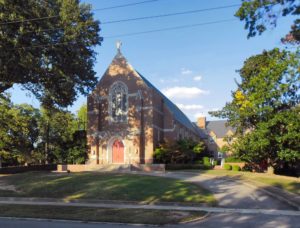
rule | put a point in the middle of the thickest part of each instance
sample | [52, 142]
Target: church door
[118, 152]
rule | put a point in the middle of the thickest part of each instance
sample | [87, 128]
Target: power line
[27, 20]
[126, 5]
[100, 9]
[133, 34]
[170, 14]
[169, 28]
[151, 17]
[43, 45]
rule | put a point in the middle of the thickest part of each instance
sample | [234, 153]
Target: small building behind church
[216, 134]
[128, 117]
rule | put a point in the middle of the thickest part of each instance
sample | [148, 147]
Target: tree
[24, 132]
[6, 119]
[265, 109]
[259, 14]
[53, 56]
[82, 117]
[182, 151]
[56, 132]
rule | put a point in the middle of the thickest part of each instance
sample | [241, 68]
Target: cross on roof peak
[119, 44]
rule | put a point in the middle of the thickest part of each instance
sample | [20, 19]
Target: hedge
[227, 167]
[22, 169]
[236, 168]
[186, 166]
[233, 160]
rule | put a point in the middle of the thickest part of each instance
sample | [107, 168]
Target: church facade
[128, 117]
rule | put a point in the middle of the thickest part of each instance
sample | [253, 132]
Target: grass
[288, 184]
[99, 214]
[105, 186]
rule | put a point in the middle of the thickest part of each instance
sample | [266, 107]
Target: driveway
[231, 192]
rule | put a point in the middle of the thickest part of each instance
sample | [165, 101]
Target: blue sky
[194, 67]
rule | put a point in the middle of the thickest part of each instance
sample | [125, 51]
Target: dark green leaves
[53, 57]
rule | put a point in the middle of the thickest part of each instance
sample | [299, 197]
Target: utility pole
[47, 143]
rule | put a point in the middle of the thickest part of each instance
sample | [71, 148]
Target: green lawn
[288, 184]
[100, 214]
[105, 186]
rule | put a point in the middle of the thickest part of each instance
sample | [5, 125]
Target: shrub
[206, 160]
[215, 162]
[233, 160]
[236, 168]
[227, 167]
[206, 163]
[198, 162]
[185, 166]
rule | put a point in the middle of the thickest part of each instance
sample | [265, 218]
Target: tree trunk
[0, 162]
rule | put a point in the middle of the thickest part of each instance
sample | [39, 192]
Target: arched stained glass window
[118, 102]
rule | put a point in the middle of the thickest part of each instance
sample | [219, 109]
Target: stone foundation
[111, 168]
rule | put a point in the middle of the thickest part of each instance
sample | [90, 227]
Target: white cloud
[183, 92]
[197, 78]
[189, 107]
[161, 80]
[185, 71]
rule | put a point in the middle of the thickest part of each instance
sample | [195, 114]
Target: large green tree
[261, 14]
[56, 132]
[265, 109]
[24, 132]
[47, 47]
[6, 120]
[19, 132]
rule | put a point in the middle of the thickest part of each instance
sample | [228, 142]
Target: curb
[76, 221]
[274, 195]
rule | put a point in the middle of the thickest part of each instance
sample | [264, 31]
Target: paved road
[232, 193]
[214, 220]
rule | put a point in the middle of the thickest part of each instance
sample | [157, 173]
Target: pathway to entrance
[231, 192]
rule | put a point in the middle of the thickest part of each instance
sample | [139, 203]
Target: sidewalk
[60, 202]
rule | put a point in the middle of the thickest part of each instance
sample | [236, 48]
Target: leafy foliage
[236, 168]
[32, 136]
[182, 151]
[51, 57]
[259, 14]
[265, 109]
[227, 167]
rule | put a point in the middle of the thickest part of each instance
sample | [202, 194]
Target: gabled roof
[219, 128]
[177, 113]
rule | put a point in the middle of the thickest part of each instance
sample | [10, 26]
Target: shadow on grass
[106, 186]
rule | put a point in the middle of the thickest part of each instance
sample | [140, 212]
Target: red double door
[118, 152]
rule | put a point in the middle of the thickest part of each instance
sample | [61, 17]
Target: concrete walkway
[214, 220]
[56, 202]
[232, 192]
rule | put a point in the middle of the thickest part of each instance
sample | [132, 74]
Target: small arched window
[118, 102]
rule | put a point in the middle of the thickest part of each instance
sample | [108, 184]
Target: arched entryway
[118, 152]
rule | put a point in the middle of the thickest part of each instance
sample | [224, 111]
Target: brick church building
[128, 117]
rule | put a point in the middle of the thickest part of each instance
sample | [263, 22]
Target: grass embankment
[289, 184]
[99, 214]
[105, 186]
